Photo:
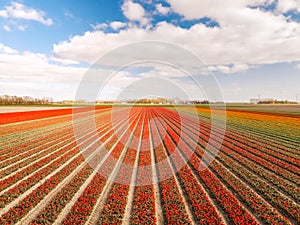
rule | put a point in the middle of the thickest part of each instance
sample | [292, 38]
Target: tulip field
[149, 165]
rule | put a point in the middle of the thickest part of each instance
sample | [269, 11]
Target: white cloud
[7, 50]
[116, 25]
[254, 3]
[99, 26]
[161, 9]
[3, 14]
[198, 9]
[158, 80]
[246, 37]
[7, 28]
[22, 27]
[19, 11]
[38, 75]
[69, 14]
[35, 67]
[34, 74]
[229, 68]
[134, 12]
[284, 6]
[64, 61]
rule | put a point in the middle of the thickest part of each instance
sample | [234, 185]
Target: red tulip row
[114, 209]
[23, 186]
[36, 157]
[84, 205]
[254, 140]
[264, 146]
[259, 166]
[259, 206]
[59, 201]
[24, 116]
[260, 132]
[13, 117]
[235, 211]
[289, 187]
[172, 203]
[241, 186]
[31, 168]
[23, 141]
[271, 194]
[262, 158]
[13, 144]
[50, 213]
[59, 157]
[276, 180]
[32, 125]
[55, 161]
[37, 153]
[24, 206]
[232, 138]
[203, 209]
[68, 152]
[264, 131]
[143, 211]
[12, 155]
[45, 136]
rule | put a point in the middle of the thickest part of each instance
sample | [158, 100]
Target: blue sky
[69, 18]
[46, 47]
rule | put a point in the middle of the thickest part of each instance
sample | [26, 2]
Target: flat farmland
[149, 165]
[273, 108]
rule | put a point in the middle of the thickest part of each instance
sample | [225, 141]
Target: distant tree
[26, 100]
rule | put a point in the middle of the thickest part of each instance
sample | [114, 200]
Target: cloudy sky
[251, 46]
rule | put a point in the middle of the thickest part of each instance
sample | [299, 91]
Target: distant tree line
[276, 102]
[26, 100]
